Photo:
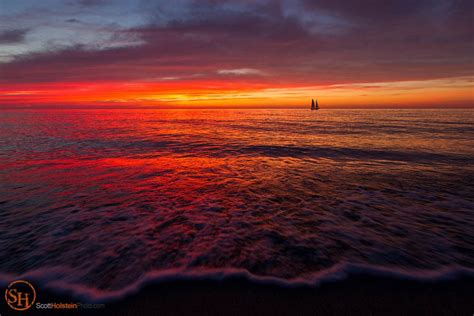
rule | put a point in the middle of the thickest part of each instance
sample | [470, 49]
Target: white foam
[54, 278]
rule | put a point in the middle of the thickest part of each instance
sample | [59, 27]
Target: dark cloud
[378, 41]
[13, 36]
[375, 10]
[88, 3]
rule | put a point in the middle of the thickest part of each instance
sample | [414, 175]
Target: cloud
[241, 72]
[13, 36]
[88, 3]
[271, 42]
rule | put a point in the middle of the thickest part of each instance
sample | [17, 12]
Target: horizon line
[263, 107]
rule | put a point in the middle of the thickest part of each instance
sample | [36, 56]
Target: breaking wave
[50, 279]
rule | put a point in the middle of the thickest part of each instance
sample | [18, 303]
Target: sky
[242, 53]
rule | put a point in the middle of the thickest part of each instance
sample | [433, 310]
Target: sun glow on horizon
[451, 91]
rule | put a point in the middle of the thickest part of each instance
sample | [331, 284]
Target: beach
[357, 295]
[235, 211]
[270, 157]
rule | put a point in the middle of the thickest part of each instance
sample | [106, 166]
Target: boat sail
[314, 106]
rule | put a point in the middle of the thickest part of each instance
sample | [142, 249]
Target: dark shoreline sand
[358, 295]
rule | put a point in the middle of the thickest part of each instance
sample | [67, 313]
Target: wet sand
[359, 295]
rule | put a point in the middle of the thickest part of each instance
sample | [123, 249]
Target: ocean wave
[52, 279]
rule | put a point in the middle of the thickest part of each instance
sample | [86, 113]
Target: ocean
[100, 202]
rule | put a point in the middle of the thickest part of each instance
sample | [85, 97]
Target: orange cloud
[198, 93]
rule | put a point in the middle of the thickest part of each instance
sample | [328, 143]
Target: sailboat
[314, 106]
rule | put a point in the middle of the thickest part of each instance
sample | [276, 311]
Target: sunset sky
[183, 53]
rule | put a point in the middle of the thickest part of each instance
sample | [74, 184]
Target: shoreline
[356, 295]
